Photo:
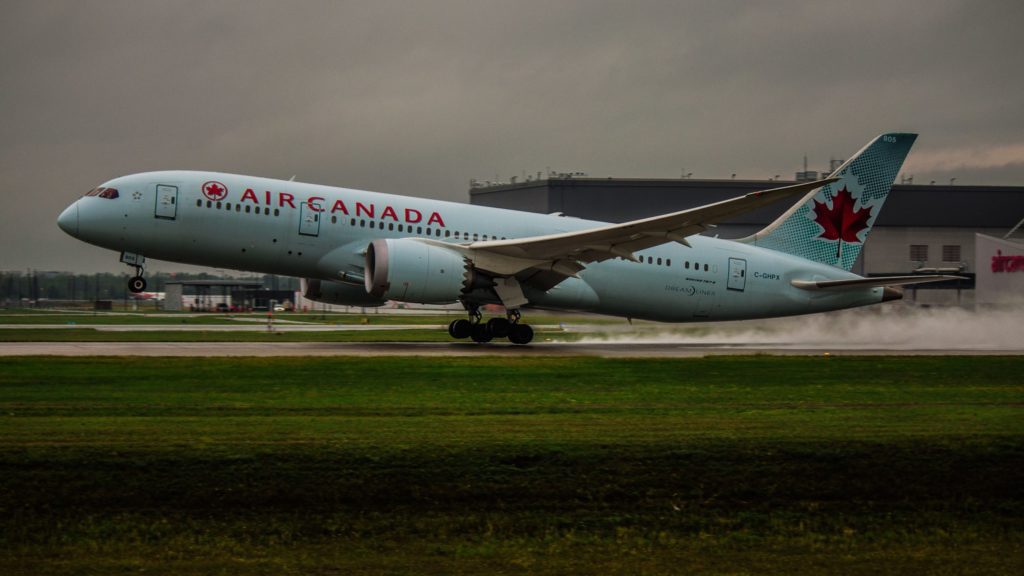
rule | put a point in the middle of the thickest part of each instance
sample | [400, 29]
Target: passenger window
[447, 233]
[419, 229]
[266, 211]
[668, 262]
[238, 207]
[226, 206]
[248, 209]
[705, 267]
[277, 211]
[199, 203]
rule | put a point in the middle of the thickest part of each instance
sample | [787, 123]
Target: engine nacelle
[410, 271]
[338, 293]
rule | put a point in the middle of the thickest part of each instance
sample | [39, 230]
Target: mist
[899, 327]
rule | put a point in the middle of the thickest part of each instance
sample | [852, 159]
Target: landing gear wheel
[499, 327]
[136, 284]
[460, 328]
[520, 334]
[481, 334]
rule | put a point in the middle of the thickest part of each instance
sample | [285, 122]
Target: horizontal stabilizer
[855, 283]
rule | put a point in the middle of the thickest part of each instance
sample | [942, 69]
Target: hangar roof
[622, 199]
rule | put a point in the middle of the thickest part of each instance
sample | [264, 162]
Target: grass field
[725, 465]
[434, 334]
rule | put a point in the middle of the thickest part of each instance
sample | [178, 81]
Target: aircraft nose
[68, 219]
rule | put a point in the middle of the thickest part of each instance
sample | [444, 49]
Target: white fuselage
[310, 231]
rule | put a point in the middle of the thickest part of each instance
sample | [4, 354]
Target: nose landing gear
[482, 332]
[136, 283]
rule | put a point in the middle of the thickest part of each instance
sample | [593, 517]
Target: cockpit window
[103, 192]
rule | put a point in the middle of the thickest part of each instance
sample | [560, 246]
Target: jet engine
[338, 293]
[411, 271]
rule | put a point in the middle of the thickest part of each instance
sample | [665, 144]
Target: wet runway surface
[541, 349]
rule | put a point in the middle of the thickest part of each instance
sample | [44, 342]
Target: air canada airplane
[362, 248]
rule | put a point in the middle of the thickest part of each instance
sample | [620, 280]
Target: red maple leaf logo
[841, 222]
[215, 190]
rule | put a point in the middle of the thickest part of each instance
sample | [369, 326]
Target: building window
[919, 252]
[951, 253]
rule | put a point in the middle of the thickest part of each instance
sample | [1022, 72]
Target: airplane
[360, 248]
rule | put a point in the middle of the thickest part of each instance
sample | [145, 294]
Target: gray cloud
[418, 97]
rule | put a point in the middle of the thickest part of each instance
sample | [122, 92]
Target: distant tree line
[35, 285]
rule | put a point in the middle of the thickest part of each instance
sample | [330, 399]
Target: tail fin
[831, 225]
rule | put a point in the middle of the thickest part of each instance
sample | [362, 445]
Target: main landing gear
[479, 331]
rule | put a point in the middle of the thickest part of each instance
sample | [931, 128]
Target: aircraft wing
[566, 253]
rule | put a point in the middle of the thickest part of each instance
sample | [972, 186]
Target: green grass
[91, 335]
[738, 465]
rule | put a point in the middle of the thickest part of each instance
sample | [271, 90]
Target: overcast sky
[417, 97]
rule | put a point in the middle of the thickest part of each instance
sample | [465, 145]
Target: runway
[464, 349]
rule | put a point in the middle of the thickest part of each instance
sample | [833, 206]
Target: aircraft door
[309, 219]
[166, 201]
[737, 274]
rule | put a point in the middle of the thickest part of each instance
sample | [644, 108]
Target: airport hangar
[921, 228]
